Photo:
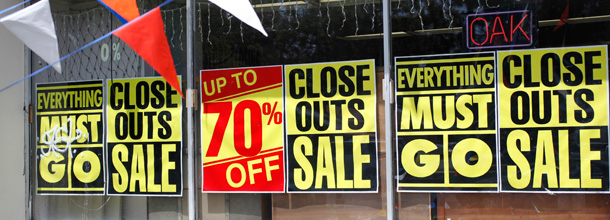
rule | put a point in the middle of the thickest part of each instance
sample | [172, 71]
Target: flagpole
[192, 192]
[78, 50]
[13, 7]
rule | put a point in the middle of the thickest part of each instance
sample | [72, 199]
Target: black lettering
[156, 88]
[527, 72]
[120, 125]
[589, 66]
[135, 126]
[338, 112]
[544, 70]
[516, 60]
[344, 74]
[303, 107]
[149, 117]
[586, 108]
[142, 95]
[50, 167]
[357, 122]
[360, 78]
[514, 107]
[126, 96]
[116, 103]
[321, 125]
[310, 84]
[561, 96]
[327, 90]
[166, 131]
[292, 76]
[169, 93]
[576, 72]
[546, 108]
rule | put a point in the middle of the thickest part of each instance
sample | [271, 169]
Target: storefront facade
[348, 109]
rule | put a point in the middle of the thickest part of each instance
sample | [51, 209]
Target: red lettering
[497, 33]
[486, 31]
[518, 26]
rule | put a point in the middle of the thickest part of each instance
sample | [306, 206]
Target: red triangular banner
[146, 36]
[564, 17]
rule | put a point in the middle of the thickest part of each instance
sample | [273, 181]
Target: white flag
[34, 26]
[242, 9]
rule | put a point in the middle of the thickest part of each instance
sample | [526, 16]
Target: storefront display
[331, 109]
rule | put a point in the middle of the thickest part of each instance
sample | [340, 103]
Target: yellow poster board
[446, 133]
[70, 144]
[144, 138]
[331, 113]
[554, 124]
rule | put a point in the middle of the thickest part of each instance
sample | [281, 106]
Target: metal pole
[27, 141]
[192, 191]
[387, 72]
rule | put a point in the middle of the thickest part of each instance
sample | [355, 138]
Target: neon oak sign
[499, 30]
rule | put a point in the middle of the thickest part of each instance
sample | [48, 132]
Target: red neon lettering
[497, 33]
[486, 31]
[518, 26]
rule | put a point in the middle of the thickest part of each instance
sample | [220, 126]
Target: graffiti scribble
[58, 135]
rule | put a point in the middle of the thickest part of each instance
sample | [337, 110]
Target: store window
[460, 34]
[304, 36]
[70, 182]
[305, 130]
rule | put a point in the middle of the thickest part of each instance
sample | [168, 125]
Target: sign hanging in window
[499, 30]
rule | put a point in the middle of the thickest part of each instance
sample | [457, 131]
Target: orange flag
[125, 10]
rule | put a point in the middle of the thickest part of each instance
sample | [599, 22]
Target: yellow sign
[446, 137]
[554, 124]
[331, 127]
[144, 137]
[561, 87]
[70, 138]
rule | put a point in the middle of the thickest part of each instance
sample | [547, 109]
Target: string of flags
[145, 34]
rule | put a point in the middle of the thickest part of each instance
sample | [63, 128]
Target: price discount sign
[242, 130]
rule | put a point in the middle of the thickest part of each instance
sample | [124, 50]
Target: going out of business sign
[551, 126]
[70, 143]
[331, 139]
[554, 119]
[446, 136]
[144, 138]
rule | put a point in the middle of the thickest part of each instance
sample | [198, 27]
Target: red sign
[499, 30]
[242, 130]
